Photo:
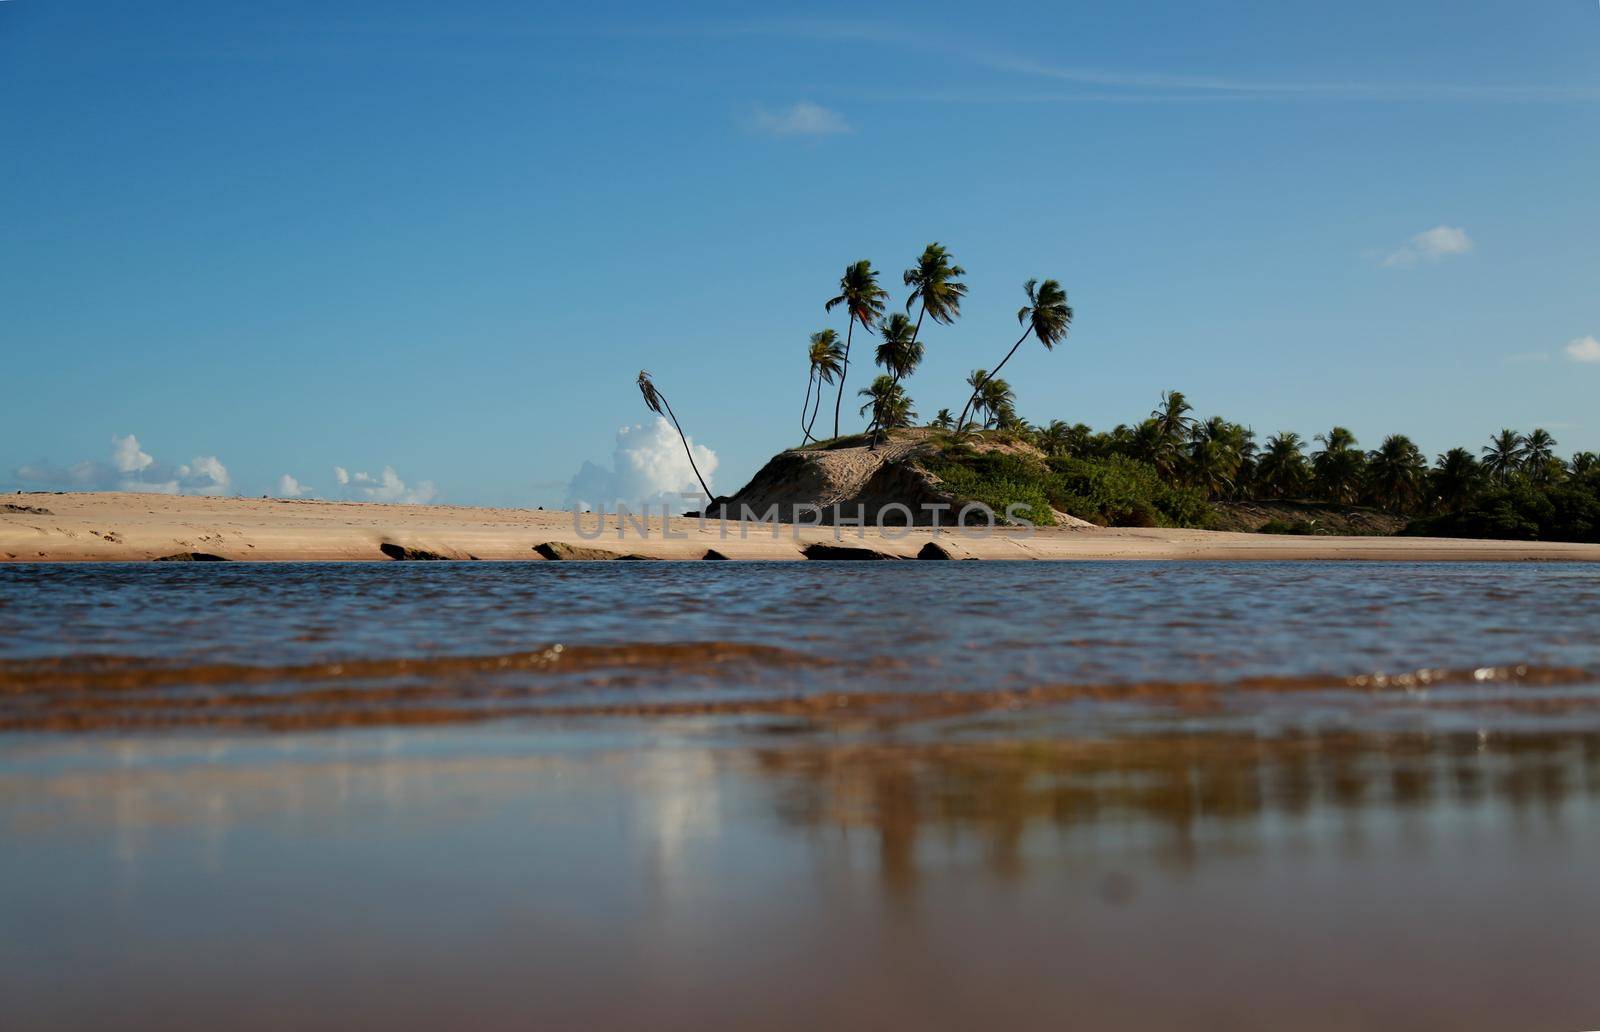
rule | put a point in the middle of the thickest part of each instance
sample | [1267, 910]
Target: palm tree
[1540, 462]
[1336, 469]
[944, 420]
[1172, 424]
[1055, 438]
[1282, 469]
[887, 402]
[975, 380]
[654, 400]
[1396, 473]
[1217, 455]
[1455, 478]
[1504, 455]
[1584, 463]
[999, 402]
[1046, 315]
[863, 303]
[900, 352]
[826, 357]
[933, 285]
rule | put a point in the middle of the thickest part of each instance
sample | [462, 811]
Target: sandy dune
[136, 527]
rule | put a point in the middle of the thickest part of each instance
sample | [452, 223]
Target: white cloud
[1429, 246]
[648, 466]
[289, 487]
[387, 487]
[126, 456]
[1583, 349]
[132, 469]
[801, 119]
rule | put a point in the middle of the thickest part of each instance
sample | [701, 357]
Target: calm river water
[856, 795]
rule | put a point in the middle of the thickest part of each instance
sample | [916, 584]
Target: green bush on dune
[1113, 491]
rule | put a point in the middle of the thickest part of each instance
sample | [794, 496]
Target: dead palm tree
[655, 401]
[1046, 315]
[863, 303]
[826, 357]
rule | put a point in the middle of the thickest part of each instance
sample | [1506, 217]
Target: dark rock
[415, 555]
[190, 557]
[828, 550]
[934, 550]
[712, 553]
[32, 509]
[561, 551]
[635, 557]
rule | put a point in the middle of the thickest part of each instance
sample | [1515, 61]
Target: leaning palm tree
[1504, 455]
[826, 358]
[655, 401]
[1046, 315]
[900, 352]
[863, 303]
[888, 403]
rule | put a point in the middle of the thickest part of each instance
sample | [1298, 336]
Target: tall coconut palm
[1337, 468]
[1540, 462]
[1503, 455]
[975, 380]
[1173, 424]
[655, 401]
[899, 352]
[1455, 478]
[826, 357]
[863, 303]
[1046, 315]
[1282, 471]
[934, 287]
[887, 402]
[1396, 474]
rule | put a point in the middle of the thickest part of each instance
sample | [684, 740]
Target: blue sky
[443, 239]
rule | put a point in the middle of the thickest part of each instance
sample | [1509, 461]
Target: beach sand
[117, 527]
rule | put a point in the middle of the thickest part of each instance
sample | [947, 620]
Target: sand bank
[117, 527]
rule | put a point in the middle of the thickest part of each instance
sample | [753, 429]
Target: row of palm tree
[1222, 459]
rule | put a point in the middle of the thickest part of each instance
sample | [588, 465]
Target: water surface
[862, 795]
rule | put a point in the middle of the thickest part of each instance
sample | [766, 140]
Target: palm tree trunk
[844, 371]
[805, 406]
[992, 374]
[687, 451]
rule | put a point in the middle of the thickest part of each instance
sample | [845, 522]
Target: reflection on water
[941, 881]
[920, 795]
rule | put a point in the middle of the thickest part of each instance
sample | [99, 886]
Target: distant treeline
[1173, 465]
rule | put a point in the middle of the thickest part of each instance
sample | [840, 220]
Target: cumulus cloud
[648, 466]
[1430, 245]
[1583, 349]
[386, 487]
[131, 468]
[801, 119]
[289, 487]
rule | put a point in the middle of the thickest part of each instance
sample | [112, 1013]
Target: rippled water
[802, 794]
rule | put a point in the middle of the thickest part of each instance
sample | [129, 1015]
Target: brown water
[872, 795]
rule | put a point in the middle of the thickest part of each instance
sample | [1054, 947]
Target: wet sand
[114, 527]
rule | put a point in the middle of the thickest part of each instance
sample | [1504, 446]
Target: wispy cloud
[1583, 349]
[1430, 245]
[799, 119]
[1174, 87]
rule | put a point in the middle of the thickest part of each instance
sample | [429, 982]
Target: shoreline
[124, 527]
